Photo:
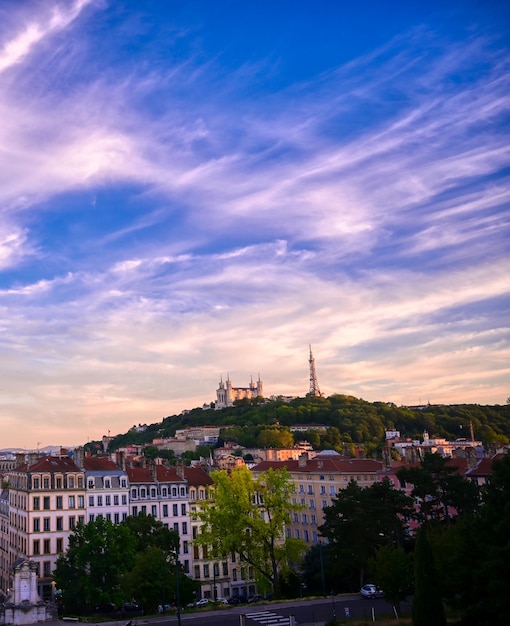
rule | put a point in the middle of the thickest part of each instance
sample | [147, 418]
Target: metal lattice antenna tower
[314, 384]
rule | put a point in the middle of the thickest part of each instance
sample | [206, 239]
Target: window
[196, 552]
[60, 545]
[324, 504]
[301, 489]
[59, 482]
[60, 523]
[183, 491]
[206, 570]
[37, 546]
[80, 482]
[224, 567]
[124, 499]
[133, 494]
[37, 526]
[197, 571]
[46, 482]
[81, 520]
[135, 510]
[107, 483]
[332, 490]
[116, 518]
[91, 500]
[143, 492]
[71, 482]
[164, 492]
[153, 492]
[36, 483]
[72, 522]
[175, 510]
[304, 518]
[315, 537]
[313, 519]
[296, 533]
[37, 503]
[165, 510]
[323, 490]
[109, 516]
[185, 528]
[183, 509]
[81, 502]
[234, 574]
[46, 503]
[99, 500]
[47, 569]
[92, 517]
[176, 526]
[154, 510]
[115, 500]
[186, 566]
[90, 483]
[321, 478]
[144, 509]
[305, 535]
[174, 492]
[47, 547]
[60, 502]
[72, 502]
[108, 500]
[310, 489]
[46, 524]
[296, 517]
[312, 504]
[185, 547]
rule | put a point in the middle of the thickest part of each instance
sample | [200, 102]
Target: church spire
[314, 384]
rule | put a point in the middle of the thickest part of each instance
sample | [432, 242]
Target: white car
[222, 600]
[371, 591]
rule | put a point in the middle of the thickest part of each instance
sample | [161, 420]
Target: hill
[350, 421]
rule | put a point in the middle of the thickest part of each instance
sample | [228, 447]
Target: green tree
[247, 515]
[362, 519]
[484, 566]
[392, 570]
[428, 607]
[275, 438]
[441, 491]
[90, 572]
[150, 532]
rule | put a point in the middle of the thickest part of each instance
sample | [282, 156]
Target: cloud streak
[175, 216]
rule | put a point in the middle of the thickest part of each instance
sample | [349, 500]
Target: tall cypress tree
[428, 607]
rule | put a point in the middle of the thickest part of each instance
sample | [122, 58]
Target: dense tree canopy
[247, 516]
[355, 421]
[361, 520]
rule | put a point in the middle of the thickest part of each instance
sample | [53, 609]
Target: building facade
[226, 394]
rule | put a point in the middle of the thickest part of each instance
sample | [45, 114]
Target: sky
[191, 190]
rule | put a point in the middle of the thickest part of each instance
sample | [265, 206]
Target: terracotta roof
[325, 466]
[98, 464]
[144, 475]
[54, 464]
[196, 476]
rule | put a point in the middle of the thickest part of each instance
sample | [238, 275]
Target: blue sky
[194, 189]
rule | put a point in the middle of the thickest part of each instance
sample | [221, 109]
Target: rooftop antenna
[314, 384]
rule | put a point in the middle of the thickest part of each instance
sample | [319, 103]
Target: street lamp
[177, 590]
[323, 578]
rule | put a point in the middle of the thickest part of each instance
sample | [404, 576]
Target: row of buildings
[45, 497]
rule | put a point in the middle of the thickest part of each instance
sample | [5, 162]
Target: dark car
[237, 600]
[256, 598]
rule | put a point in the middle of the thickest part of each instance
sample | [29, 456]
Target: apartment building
[317, 480]
[221, 577]
[162, 492]
[46, 500]
[107, 489]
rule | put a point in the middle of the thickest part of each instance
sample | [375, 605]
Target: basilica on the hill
[226, 395]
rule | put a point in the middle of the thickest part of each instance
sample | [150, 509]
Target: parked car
[371, 591]
[237, 600]
[256, 598]
[222, 600]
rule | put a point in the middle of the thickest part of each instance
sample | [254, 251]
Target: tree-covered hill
[349, 421]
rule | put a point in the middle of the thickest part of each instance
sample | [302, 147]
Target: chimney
[153, 471]
[179, 468]
[20, 459]
[303, 459]
[78, 457]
